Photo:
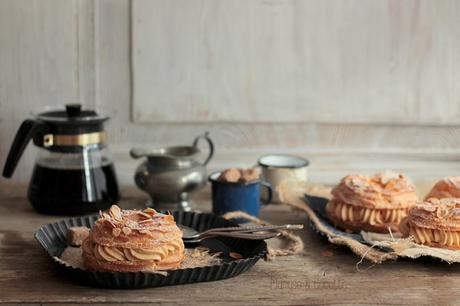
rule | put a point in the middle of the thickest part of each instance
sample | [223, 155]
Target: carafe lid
[72, 119]
[71, 114]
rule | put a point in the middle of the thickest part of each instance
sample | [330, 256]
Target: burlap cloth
[294, 242]
[378, 247]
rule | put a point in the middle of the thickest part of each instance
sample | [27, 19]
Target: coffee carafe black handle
[29, 129]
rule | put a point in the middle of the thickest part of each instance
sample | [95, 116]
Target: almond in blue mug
[233, 196]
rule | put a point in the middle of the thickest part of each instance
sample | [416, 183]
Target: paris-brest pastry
[373, 203]
[435, 223]
[132, 240]
[448, 187]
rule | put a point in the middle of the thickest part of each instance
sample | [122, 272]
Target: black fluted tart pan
[52, 237]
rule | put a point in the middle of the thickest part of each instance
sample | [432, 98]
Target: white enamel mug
[277, 168]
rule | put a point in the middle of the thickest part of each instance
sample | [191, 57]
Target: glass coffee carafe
[73, 173]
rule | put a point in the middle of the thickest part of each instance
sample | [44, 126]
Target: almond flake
[456, 213]
[235, 255]
[130, 223]
[429, 208]
[150, 211]
[126, 230]
[143, 214]
[145, 221]
[115, 211]
[357, 182]
[441, 213]
[116, 232]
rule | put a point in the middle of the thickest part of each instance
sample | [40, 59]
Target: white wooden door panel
[296, 61]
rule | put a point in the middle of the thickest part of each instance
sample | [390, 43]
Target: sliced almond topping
[115, 212]
[106, 216]
[126, 230]
[143, 214]
[434, 201]
[441, 213]
[130, 223]
[235, 255]
[150, 211]
[146, 221]
[116, 232]
[429, 208]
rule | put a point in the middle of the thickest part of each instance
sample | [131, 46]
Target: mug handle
[270, 192]
[206, 137]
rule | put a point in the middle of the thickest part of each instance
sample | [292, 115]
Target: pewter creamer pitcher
[170, 174]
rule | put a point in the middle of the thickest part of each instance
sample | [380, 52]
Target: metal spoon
[190, 234]
[248, 236]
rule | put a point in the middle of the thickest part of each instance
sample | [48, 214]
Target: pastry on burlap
[435, 222]
[132, 240]
[375, 203]
[379, 247]
[448, 187]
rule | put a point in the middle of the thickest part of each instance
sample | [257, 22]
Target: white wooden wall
[353, 85]
[296, 61]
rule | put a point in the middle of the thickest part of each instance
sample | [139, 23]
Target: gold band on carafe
[74, 140]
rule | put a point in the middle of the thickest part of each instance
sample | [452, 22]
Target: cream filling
[427, 236]
[346, 212]
[124, 254]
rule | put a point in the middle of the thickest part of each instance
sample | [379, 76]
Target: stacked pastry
[448, 187]
[132, 240]
[435, 222]
[371, 203]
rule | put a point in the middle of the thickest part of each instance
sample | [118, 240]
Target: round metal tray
[52, 238]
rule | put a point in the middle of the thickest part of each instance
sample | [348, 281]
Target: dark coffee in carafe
[73, 191]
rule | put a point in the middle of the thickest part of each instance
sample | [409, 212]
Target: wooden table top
[325, 274]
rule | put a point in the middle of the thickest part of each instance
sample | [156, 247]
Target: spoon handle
[247, 236]
[242, 230]
[251, 229]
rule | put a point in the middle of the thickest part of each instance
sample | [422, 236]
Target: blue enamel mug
[229, 196]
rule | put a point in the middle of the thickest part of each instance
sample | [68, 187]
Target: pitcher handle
[205, 136]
